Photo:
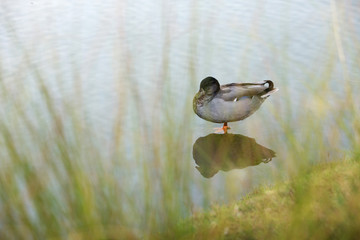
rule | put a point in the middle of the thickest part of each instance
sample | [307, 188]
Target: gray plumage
[231, 102]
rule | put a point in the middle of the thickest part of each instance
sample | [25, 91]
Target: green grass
[321, 203]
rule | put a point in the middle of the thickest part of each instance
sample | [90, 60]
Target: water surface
[130, 69]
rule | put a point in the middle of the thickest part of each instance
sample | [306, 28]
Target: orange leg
[224, 128]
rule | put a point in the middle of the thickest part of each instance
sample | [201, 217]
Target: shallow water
[144, 61]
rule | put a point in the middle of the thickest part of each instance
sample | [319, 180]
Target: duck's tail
[269, 90]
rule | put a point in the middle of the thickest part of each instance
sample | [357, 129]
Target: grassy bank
[321, 203]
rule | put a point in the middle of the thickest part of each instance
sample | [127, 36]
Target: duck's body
[231, 102]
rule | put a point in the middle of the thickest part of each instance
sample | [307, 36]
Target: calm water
[88, 48]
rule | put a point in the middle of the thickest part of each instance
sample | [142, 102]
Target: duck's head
[209, 85]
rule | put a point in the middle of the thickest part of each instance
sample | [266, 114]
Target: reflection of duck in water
[230, 102]
[228, 151]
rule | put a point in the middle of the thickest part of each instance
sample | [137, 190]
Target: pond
[99, 96]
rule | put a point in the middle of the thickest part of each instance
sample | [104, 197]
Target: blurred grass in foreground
[61, 179]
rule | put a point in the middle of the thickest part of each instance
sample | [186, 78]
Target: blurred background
[96, 120]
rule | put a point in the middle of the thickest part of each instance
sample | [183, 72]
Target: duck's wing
[235, 91]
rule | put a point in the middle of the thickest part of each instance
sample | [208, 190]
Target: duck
[230, 102]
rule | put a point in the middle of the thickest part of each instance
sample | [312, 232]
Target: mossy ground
[320, 203]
